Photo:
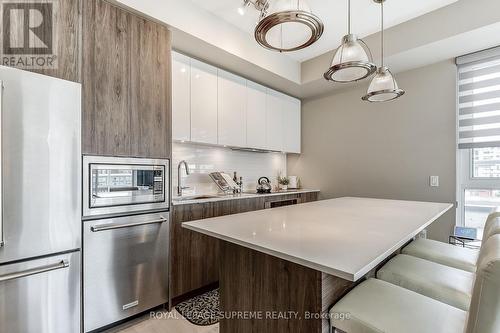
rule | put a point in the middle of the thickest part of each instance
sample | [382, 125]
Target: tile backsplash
[203, 160]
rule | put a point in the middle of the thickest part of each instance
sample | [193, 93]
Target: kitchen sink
[197, 197]
[212, 196]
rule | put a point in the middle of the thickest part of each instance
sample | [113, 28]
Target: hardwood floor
[165, 322]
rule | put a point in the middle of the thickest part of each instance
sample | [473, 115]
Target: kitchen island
[281, 269]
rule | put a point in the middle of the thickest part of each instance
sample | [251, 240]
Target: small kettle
[264, 185]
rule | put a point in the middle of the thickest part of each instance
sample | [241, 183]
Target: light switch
[434, 181]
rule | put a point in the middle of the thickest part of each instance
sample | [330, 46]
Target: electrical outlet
[422, 234]
[434, 181]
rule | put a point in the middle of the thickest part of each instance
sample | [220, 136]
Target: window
[478, 204]
[478, 176]
[486, 162]
[479, 185]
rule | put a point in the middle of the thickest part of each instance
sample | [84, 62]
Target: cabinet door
[193, 255]
[66, 15]
[231, 109]
[181, 97]
[291, 123]
[150, 84]
[274, 117]
[126, 83]
[256, 116]
[106, 79]
[203, 102]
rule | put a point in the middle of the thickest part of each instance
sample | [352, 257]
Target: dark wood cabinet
[106, 62]
[195, 257]
[66, 22]
[126, 83]
[150, 85]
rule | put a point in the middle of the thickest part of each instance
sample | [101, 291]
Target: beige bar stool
[450, 255]
[444, 283]
[377, 306]
[449, 285]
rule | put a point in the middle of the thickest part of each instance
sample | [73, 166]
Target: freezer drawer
[125, 267]
[41, 296]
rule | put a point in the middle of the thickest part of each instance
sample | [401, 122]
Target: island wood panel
[126, 83]
[256, 282]
[194, 256]
[261, 284]
[67, 30]
[332, 290]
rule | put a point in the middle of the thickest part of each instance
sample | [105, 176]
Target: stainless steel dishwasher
[125, 268]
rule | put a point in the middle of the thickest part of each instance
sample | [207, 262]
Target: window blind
[479, 99]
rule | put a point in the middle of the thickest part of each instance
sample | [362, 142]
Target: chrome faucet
[179, 185]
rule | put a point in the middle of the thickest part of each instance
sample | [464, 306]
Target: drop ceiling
[333, 13]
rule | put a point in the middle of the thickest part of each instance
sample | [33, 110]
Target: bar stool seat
[450, 255]
[446, 284]
[377, 306]
[442, 253]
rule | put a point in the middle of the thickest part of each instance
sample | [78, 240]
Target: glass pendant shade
[351, 62]
[383, 87]
[288, 25]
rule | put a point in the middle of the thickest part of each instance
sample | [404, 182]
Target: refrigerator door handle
[1, 170]
[110, 226]
[33, 271]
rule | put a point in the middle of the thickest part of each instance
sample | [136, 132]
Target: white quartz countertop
[345, 237]
[245, 195]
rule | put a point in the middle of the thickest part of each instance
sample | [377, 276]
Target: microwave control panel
[158, 182]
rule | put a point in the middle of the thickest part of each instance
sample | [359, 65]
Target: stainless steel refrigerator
[40, 203]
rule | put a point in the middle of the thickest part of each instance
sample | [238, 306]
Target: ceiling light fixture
[352, 60]
[243, 8]
[286, 25]
[383, 87]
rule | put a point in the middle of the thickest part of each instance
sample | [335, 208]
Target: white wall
[354, 148]
[203, 160]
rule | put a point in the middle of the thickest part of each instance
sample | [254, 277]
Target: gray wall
[354, 148]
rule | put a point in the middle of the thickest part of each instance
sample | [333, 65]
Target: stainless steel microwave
[117, 185]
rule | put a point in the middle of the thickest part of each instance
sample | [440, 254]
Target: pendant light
[286, 25]
[352, 60]
[383, 87]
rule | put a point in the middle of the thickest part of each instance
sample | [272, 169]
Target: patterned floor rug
[201, 310]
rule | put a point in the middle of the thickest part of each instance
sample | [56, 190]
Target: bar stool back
[484, 312]
[492, 227]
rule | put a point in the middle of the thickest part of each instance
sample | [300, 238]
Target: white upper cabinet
[256, 121]
[212, 106]
[203, 103]
[181, 97]
[232, 105]
[274, 120]
[291, 124]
